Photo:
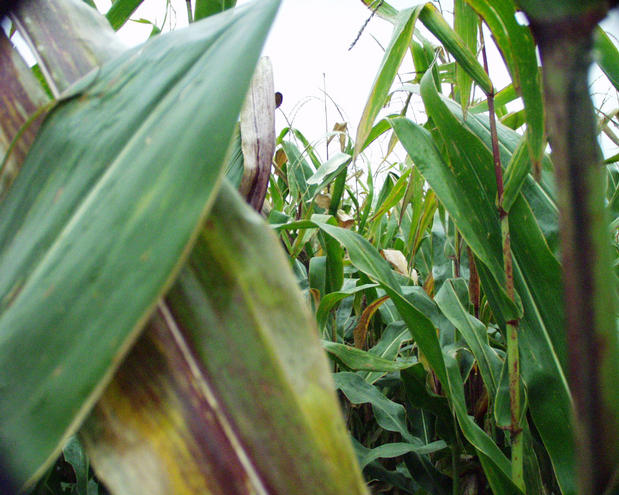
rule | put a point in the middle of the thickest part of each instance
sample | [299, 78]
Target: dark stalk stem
[589, 283]
[513, 357]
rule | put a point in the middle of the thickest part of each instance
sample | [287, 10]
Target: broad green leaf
[540, 195]
[357, 360]
[84, 35]
[91, 239]
[328, 170]
[317, 274]
[463, 196]
[390, 450]
[329, 301]
[437, 25]
[389, 415]
[394, 54]
[206, 8]
[516, 173]
[223, 440]
[474, 332]
[335, 263]
[518, 48]
[121, 11]
[465, 26]
[607, 56]
[382, 9]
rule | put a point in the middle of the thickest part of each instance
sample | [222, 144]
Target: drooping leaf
[460, 50]
[394, 54]
[358, 360]
[465, 25]
[257, 128]
[121, 11]
[389, 415]
[95, 235]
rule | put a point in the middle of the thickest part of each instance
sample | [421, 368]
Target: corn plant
[467, 380]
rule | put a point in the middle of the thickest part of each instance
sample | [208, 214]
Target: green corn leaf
[465, 26]
[516, 173]
[328, 171]
[121, 11]
[394, 54]
[437, 25]
[95, 235]
[206, 8]
[390, 450]
[474, 332]
[607, 56]
[357, 360]
[389, 415]
[518, 48]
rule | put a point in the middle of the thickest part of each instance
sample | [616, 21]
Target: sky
[309, 48]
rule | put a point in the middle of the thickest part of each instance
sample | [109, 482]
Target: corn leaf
[120, 11]
[206, 8]
[259, 419]
[465, 26]
[518, 48]
[95, 235]
[394, 54]
[607, 56]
